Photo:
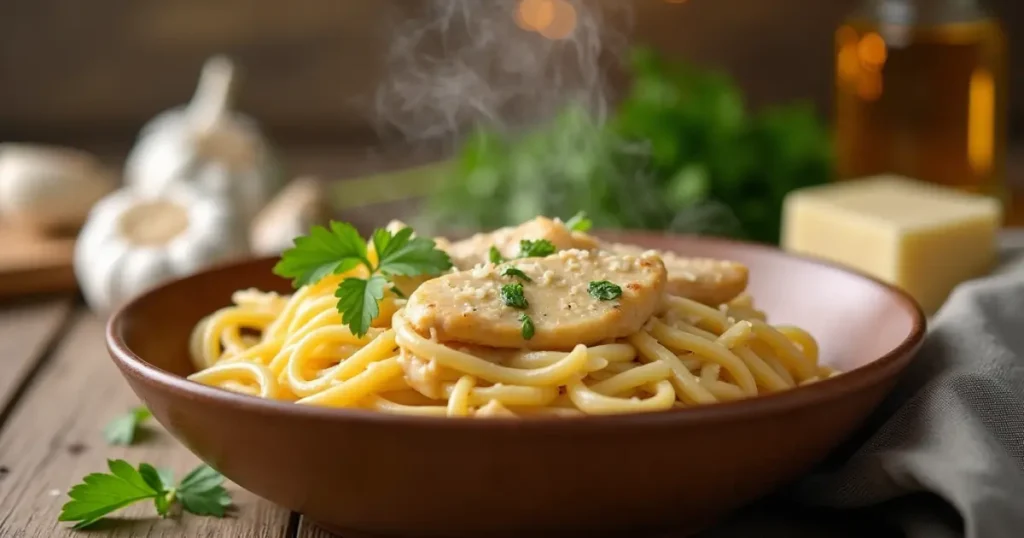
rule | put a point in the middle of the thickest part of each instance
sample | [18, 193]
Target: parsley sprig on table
[339, 248]
[122, 430]
[201, 492]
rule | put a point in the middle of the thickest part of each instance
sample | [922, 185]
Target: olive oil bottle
[921, 91]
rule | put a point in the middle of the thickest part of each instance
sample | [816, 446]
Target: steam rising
[456, 64]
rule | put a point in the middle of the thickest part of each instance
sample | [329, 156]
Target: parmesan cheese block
[923, 238]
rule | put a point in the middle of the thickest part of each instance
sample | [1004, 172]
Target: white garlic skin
[49, 189]
[232, 161]
[133, 242]
[207, 145]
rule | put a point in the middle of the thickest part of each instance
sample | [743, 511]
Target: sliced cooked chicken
[467, 253]
[480, 306]
[709, 281]
[705, 280]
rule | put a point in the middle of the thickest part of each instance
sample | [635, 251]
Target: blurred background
[711, 110]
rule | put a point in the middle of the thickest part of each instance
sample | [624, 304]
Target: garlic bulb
[48, 188]
[206, 144]
[132, 242]
[299, 206]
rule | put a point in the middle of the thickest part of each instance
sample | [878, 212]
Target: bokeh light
[553, 19]
[533, 15]
[872, 50]
[562, 24]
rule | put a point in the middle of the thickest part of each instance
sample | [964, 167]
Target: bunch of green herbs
[680, 153]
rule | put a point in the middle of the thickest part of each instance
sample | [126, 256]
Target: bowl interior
[856, 320]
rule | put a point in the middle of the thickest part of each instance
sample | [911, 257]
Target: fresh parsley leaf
[100, 494]
[321, 253]
[495, 255]
[202, 492]
[357, 302]
[535, 249]
[121, 430]
[151, 476]
[516, 273]
[603, 290]
[512, 295]
[528, 328]
[404, 255]
[579, 222]
[161, 480]
[339, 249]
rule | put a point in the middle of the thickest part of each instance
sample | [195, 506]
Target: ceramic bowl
[383, 475]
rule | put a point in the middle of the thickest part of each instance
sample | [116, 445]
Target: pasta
[296, 348]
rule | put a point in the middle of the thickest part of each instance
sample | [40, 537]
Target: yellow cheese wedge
[923, 238]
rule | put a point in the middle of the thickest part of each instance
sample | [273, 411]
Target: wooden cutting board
[32, 263]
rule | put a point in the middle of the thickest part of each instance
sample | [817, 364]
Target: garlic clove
[300, 205]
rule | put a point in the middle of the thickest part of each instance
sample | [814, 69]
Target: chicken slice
[705, 280]
[467, 306]
[467, 253]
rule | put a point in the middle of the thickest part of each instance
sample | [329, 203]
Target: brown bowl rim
[849, 382]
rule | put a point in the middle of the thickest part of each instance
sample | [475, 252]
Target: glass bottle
[921, 91]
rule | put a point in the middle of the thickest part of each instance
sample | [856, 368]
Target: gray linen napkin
[953, 427]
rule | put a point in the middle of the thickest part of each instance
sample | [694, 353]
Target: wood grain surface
[55, 436]
[27, 329]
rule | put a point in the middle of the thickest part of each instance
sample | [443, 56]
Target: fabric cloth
[950, 437]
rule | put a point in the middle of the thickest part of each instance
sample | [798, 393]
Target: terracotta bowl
[383, 475]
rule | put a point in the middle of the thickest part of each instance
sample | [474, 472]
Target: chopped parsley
[535, 249]
[527, 326]
[603, 290]
[515, 272]
[495, 255]
[579, 222]
[512, 295]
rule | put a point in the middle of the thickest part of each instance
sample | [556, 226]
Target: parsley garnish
[339, 249]
[579, 222]
[495, 255]
[535, 249]
[122, 430]
[201, 492]
[516, 273]
[527, 326]
[512, 295]
[603, 290]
